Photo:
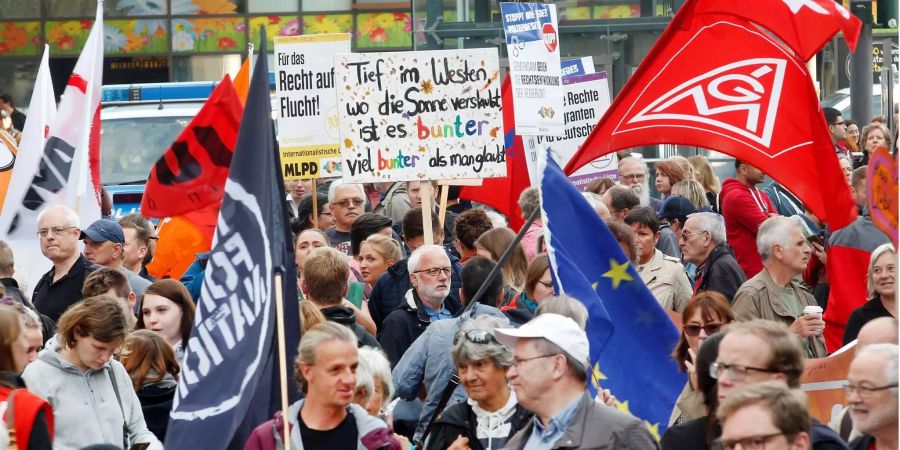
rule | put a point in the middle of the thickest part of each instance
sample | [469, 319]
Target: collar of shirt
[555, 428]
[440, 314]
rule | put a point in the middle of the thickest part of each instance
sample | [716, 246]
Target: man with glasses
[872, 394]
[427, 362]
[702, 242]
[346, 201]
[765, 416]
[549, 376]
[427, 301]
[773, 294]
[633, 174]
[59, 288]
[763, 350]
[837, 128]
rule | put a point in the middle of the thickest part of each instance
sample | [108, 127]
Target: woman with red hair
[667, 174]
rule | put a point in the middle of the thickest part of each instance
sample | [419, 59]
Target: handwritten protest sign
[308, 130]
[532, 41]
[420, 115]
[882, 196]
[586, 99]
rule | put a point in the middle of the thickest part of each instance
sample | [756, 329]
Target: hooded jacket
[372, 432]
[346, 317]
[403, 326]
[85, 408]
[720, 273]
[745, 208]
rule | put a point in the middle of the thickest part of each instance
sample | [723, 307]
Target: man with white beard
[633, 174]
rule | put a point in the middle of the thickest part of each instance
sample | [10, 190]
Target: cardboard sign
[882, 196]
[431, 115]
[532, 42]
[308, 131]
[586, 99]
[823, 382]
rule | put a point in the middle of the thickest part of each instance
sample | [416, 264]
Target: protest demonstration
[449, 225]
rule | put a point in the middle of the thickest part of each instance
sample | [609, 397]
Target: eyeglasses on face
[735, 372]
[634, 177]
[347, 202]
[686, 235]
[434, 271]
[56, 231]
[518, 361]
[865, 391]
[476, 337]
[747, 443]
[694, 330]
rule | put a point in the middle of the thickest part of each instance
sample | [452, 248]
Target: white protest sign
[308, 127]
[431, 115]
[532, 42]
[586, 100]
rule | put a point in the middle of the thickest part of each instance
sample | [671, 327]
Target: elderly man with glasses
[702, 242]
[763, 350]
[872, 395]
[549, 376]
[59, 288]
[346, 201]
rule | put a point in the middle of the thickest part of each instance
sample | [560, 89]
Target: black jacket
[459, 419]
[863, 442]
[391, 288]
[345, 316]
[690, 435]
[403, 326]
[721, 273]
[872, 309]
[156, 403]
[824, 438]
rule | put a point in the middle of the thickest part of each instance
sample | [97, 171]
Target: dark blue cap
[104, 230]
[676, 207]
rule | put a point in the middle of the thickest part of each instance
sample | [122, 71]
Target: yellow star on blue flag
[618, 272]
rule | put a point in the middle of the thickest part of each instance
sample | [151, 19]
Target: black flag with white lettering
[230, 381]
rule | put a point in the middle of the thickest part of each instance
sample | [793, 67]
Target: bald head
[882, 330]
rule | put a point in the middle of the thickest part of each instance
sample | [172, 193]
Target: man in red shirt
[745, 208]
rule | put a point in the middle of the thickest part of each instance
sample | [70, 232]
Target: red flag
[191, 173]
[503, 193]
[804, 25]
[718, 82]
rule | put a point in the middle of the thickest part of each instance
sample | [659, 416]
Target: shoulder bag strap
[112, 377]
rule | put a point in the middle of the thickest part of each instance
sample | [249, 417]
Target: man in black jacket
[324, 283]
[702, 242]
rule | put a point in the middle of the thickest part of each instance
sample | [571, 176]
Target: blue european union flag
[631, 336]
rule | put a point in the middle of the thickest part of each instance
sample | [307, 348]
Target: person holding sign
[347, 202]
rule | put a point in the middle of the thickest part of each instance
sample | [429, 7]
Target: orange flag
[8, 151]
[242, 81]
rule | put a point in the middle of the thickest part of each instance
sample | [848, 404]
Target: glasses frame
[347, 201]
[435, 271]
[720, 444]
[715, 367]
[717, 327]
[56, 231]
[865, 391]
[518, 361]
[685, 236]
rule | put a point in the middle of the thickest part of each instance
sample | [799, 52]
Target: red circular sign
[548, 34]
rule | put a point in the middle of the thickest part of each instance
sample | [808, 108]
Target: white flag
[68, 170]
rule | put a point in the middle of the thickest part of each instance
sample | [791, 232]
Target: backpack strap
[115, 385]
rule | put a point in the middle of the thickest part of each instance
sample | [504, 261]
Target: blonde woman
[376, 254]
[707, 178]
[693, 191]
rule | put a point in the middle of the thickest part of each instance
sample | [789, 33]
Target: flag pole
[315, 208]
[503, 258]
[445, 193]
[282, 354]
[425, 192]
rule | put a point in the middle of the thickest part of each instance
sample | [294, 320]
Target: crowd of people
[408, 344]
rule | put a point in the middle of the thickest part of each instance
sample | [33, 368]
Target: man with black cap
[674, 212]
[104, 244]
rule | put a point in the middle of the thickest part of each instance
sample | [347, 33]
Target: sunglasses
[476, 337]
[710, 329]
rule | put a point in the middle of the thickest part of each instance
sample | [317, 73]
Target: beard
[643, 191]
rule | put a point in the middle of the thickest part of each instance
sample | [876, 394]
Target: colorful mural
[140, 36]
[384, 30]
[275, 26]
[328, 23]
[67, 37]
[20, 38]
[209, 35]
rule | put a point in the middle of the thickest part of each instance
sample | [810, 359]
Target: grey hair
[365, 380]
[70, 214]
[332, 189]
[530, 201]
[887, 354]
[577, 368]
[845, 158]
[313, 338]
[775, 231]
[464, 351]
[413, 263]
[497, 220]
[712, 223]
[880, 250]
[593, 199]
[373, 361]
[567, 306]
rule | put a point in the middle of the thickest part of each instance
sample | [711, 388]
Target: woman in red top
[28, 417]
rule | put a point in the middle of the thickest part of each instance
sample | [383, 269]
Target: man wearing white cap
[549, 375]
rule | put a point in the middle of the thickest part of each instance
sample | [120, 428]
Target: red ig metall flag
[717, 81]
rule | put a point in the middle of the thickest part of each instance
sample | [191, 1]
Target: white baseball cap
[560, 330]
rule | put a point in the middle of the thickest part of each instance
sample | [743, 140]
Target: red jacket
[25, 408]
[744, 209]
